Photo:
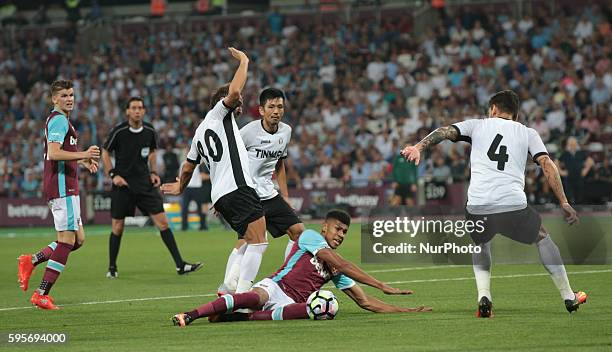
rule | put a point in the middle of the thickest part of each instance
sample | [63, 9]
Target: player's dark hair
[339, 215]
[127, 105]
[269, 94]
[219, 94]
[506, 101]
[59, 85]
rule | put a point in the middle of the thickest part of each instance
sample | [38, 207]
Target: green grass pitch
[133, 312]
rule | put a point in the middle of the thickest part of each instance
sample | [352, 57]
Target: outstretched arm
[375, 305]
[354, 272]
[554, 181]
[413, 153]
[176, 188]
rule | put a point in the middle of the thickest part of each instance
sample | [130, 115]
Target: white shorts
[66, 213]
[277, 297]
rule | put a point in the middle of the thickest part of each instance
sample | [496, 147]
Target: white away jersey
[500, 150]
[265, 149]
[217, 142]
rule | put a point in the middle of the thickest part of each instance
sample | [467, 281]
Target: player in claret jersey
[500, 148]
[312, 262]
[61, 189]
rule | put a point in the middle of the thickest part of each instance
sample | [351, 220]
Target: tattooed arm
[551, 173]
[413, 153]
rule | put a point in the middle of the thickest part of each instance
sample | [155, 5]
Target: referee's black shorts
[124, 202]
[240, 208]
[279, 216]
[520, 225]
[404, 191]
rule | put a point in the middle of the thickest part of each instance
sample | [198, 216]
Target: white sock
[232, 269]
[482, 270]
[249, 266]
[551, 259]
[288, 249]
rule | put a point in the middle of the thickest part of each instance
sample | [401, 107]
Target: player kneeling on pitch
[311, 263]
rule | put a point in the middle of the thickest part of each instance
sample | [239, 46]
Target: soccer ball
[322, 305]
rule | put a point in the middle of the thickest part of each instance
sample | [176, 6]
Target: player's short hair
[339, 215]
[219, 94]
[59, 85]
[127, 105]
[507, 101]
[269, 94]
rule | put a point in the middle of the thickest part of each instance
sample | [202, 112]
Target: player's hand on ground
[417, 309]
[155, 180]
[388, 290]
[173, 188]
[92, 152]
[411, 153]
[119, 181]
[237, 54]
[571, 217]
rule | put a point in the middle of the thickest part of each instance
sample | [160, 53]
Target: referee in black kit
[135, 184]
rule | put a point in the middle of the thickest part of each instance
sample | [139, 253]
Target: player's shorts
[404, 191]
[240, 208]
[66, 213]
[520, 225]
[279, 216]
[124, 202]
[276, 296]
[206, 189]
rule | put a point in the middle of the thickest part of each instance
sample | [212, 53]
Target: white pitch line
[117, 301]
[499, 277]
[417, 268]
[393, 282]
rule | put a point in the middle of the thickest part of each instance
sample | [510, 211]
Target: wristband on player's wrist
[153, 173]
[111, 173]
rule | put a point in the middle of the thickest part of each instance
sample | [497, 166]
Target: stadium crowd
[357, 92]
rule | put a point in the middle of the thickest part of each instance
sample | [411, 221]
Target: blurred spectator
[440, 171]
[358, 89]
[574, 165]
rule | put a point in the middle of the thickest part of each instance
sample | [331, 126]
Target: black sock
[45, 287]
[193, 314]
[203, 221]
[114, 242]
[168, 238]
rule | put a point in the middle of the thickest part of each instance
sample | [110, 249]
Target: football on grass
[322, 305]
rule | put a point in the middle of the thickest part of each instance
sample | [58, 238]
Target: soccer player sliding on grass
[311, 263]
[500, 147]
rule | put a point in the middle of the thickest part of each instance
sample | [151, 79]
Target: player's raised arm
[354, 272]
[375, 305]
[234, 98]
[413, 152]
[554, 180]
